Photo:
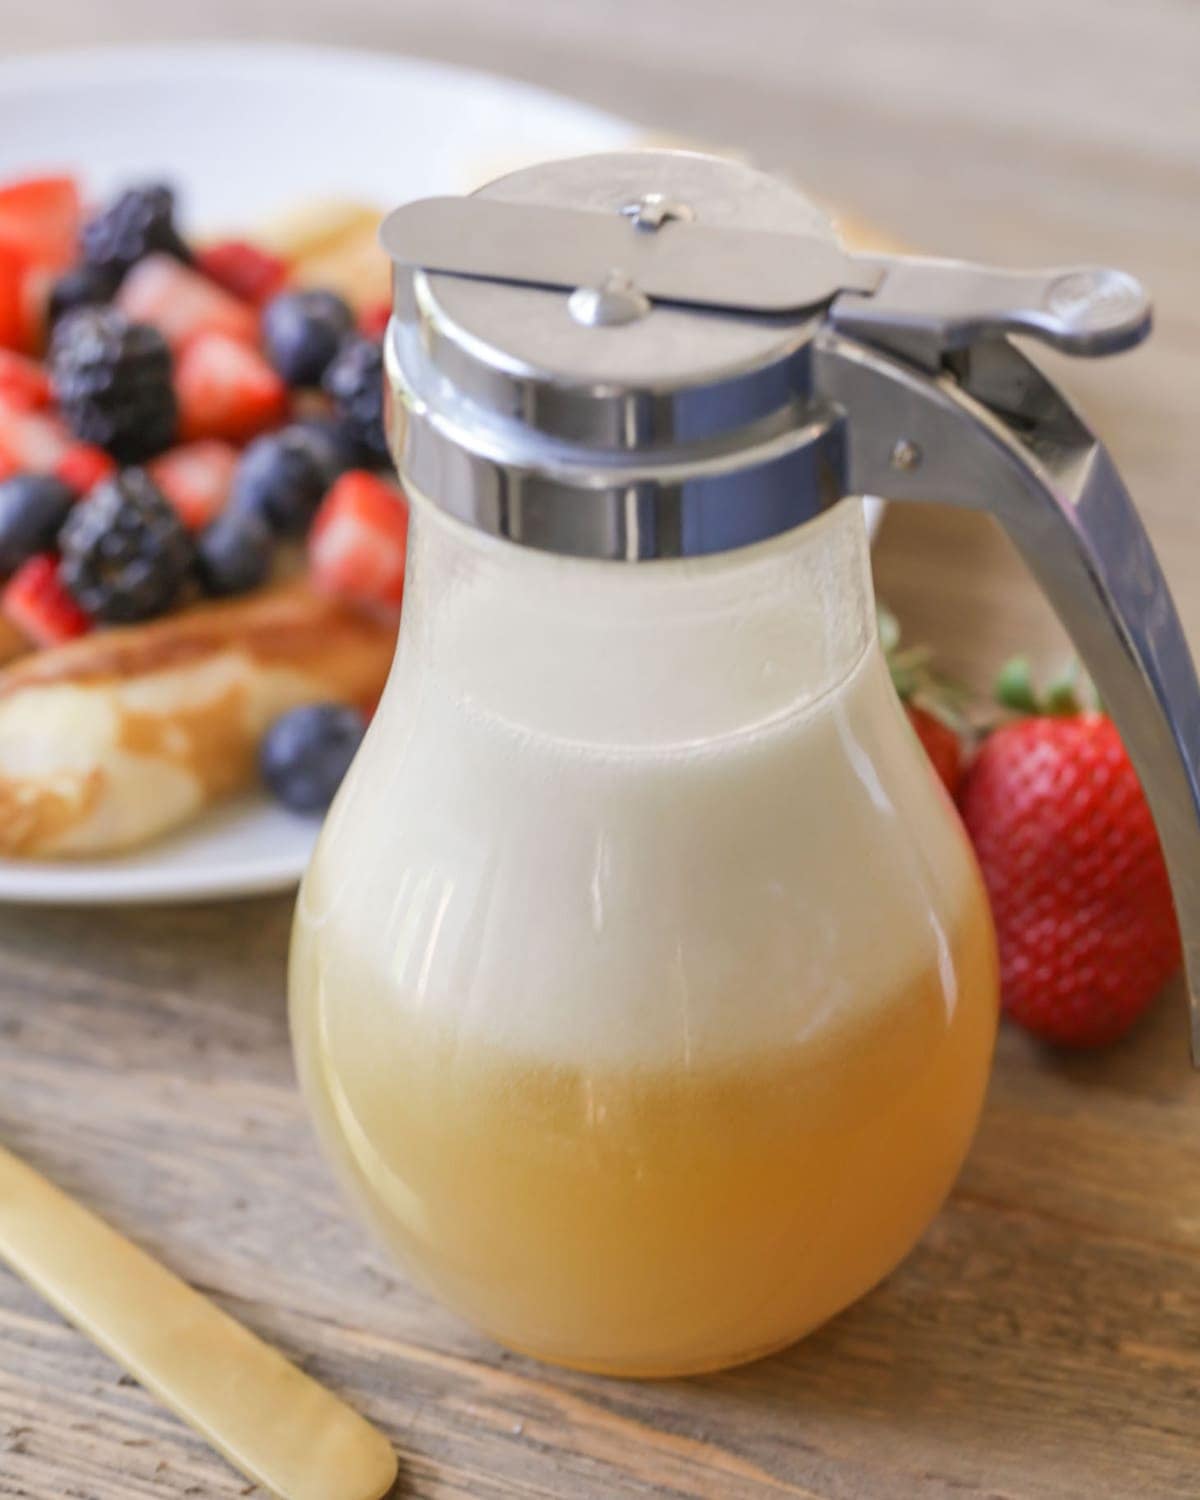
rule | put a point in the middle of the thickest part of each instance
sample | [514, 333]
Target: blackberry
[125, 552]
[139, 222]
[81, 286]
[113, 382]
[354, 380]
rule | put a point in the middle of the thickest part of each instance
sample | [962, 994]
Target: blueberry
[333, 449]
[354, 382]
[305, 754]
[302, 332]
[233, 554]
[32, 508]
[282, 478]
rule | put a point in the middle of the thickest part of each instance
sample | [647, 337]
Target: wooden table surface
[1044, 1339]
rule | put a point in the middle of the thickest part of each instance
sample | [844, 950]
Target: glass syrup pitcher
[643, 985]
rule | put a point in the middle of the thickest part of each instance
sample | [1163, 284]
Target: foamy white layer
[574, 904]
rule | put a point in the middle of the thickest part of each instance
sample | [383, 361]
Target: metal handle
[998, 436]
[926, 308]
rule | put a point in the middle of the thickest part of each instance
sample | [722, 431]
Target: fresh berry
[39, 218]
[113, 382]
[31, 441]
[233, 555]
[934, 705]
[247, 272]
[282, 477]
[329, 443]
[226, 390]
[138, 223]
[32, 509]
[35, 302]
[83, 466]
[373, 319]
[182, 304]
[942, 745]
[354, 381]
[1079, 890]
[14, 323]
[358, 542]
[80, 286]
[36, 601]
[303, 331]
[125, 553]
[24, 382]
[306, 753]
[196, 478]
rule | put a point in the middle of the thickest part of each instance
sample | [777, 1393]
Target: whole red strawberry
[934, 704]
[942, 743]
[1078, 887]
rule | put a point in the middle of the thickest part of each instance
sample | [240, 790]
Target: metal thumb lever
[926, 308]
[1000, 437]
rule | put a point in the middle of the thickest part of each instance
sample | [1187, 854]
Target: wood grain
[1043, 1342]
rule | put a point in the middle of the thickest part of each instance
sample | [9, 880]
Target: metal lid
[597, 422]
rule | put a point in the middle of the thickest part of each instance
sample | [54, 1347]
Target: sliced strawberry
[32, 440]
[243, 270]
[226, 390]
[24, 383]
[358, 541]
[14, 269]
[196, 479]
[373, 319]
[83, 466]
[182, 304]
[36, 287]
[40, 219]
[36, 601]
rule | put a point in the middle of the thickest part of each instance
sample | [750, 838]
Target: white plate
[244, 132]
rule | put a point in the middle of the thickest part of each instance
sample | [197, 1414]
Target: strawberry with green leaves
[1079, 891]
[934, 705]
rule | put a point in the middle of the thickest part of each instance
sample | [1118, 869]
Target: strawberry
[243, 270]
[942, 745]
[32, 440]
[373, 319]
[182, 304]
[24, 382]
[226, 390]
[933, 704]
[36, 601]
[40, 219]
[35, 306]
[1071, 859]
[83, 466]
[359, 538]
[196, 479]
[14, 321]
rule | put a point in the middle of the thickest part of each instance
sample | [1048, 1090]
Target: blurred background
[1025, 131]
